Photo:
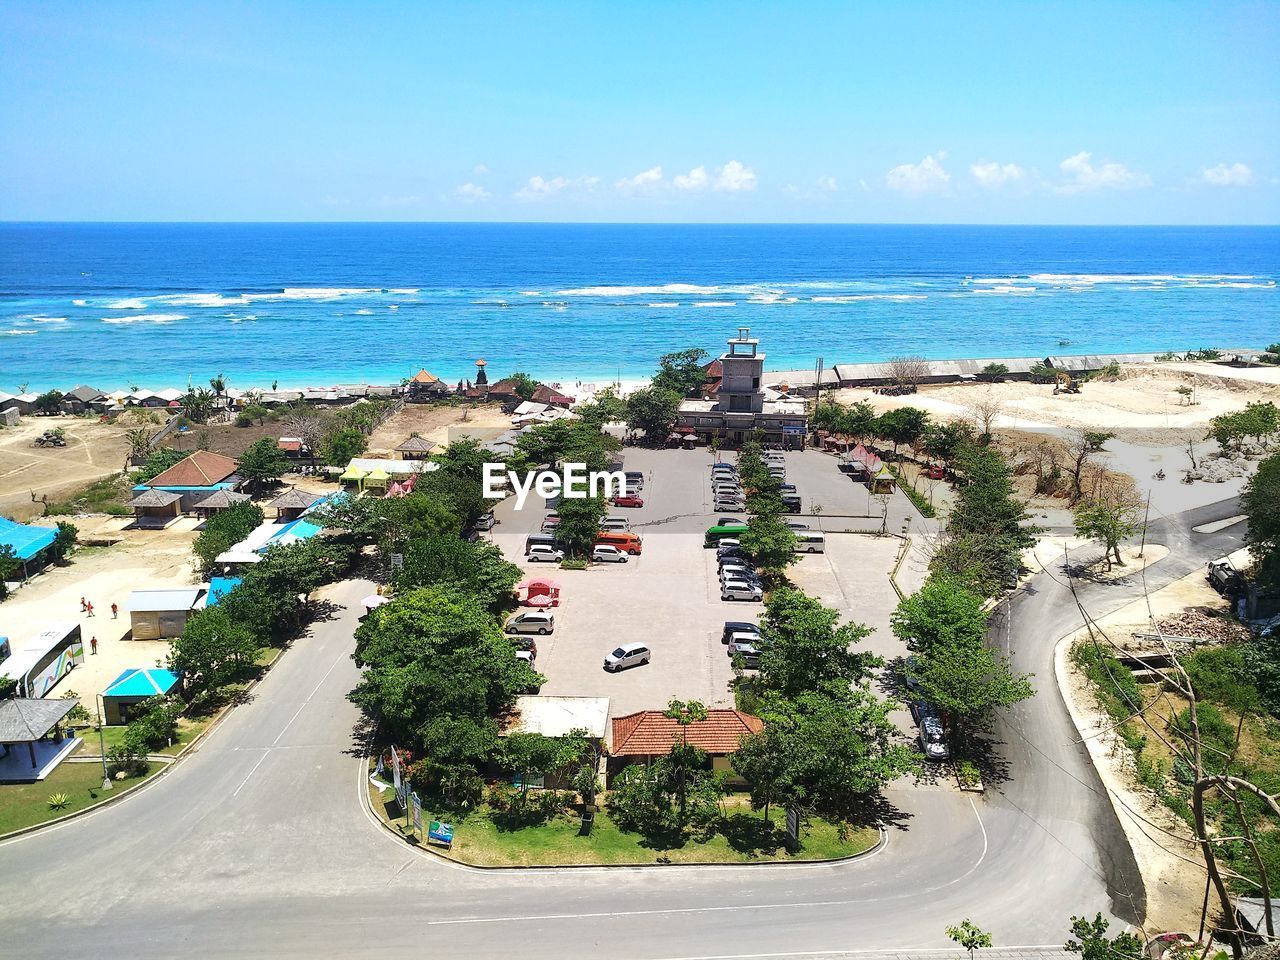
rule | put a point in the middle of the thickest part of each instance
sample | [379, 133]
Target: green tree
[969, 936]
[653, 411]
[224, 530]
[262, 463]
[525, 385]
[1089, 939]
[530, 754]
[273, 597]
[902, 425]
[64, 542]
[219, 385]
[477, 568]
[761, 759]
[681, 372]
[942, 613]
[969, 682]
[139, 440]
[769, 541]
[604, 407]
[1261, 502]
[944, 440]
[157, 463]
[340, 447]
[684, 757]
[10, 567]
[213, 646]
[435, 654]
[401, 520]
[49, 402]
[198, 405]
[993, 372]
[155, 727]
[1110, 518]
[579, 525]
[805, 648]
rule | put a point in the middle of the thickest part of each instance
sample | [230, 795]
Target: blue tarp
[219, 587]
[26, 541]
[141, 682]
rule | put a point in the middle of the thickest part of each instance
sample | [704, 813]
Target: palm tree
[139, 440]
[219, 384]
[198, 404]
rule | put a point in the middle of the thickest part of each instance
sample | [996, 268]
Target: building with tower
[740, 404]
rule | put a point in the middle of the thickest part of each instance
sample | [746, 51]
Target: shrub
[58, 801]
[124, 761]
[1221, 675]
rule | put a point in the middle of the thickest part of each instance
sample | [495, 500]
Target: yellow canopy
[353, 473]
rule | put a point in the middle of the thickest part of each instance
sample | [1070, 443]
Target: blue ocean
[153, 305]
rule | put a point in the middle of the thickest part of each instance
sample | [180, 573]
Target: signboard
[395, 773]
[397, 561]
[440, 833]
[793, 428]
[793, 828]
[416, 804]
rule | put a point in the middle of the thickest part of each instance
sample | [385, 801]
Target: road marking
[1216, 525]
[237, 790]
[313, 692]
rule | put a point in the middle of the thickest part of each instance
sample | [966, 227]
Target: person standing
[114, 611]
[88, 610]
[83, 605]
[93, 645]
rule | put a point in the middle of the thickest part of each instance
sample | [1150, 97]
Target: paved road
[256, 845]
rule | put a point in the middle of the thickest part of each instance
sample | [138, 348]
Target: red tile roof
[201, 469]
[649, 733]
[423, 377]
[545, 394]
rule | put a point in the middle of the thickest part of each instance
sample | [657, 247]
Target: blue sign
[793, 428]
[440, 832]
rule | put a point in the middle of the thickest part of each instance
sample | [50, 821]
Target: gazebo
[218, 501]
[415, 448]
[291, 504]
[155, 509]
[539, 592]
[355, 476]
[376, 479]
[29, 722]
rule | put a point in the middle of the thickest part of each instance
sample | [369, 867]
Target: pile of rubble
[1198, 624]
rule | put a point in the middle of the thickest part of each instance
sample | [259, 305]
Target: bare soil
[94, 450]
[439, 423]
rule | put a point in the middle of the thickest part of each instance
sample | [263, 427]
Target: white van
[532, 621]
[810, 541]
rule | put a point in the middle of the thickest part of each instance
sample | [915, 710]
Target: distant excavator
[1065, 383]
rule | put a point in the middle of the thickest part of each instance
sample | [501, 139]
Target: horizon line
[640, 223]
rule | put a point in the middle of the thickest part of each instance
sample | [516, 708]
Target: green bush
[1220, 675]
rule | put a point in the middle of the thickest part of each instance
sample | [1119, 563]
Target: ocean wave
[48, 319]
[364, 312]
[160, 318]
[855, 297]
[21, 333]
[672, 289]
[1006, 289]
[664, 305]
[80, 303]
[129, 303]
[714, 303]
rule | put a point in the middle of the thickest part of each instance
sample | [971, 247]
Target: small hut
[218, 501]
[36, 724]
[354, 476]
[376, 479]
[291, 504]
[415, 448]
[155, 509]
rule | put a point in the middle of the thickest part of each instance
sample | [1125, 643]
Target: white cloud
[996, 174]
[644, 180]
[927, 176]
[470, 192]
[479, 170]
[1235, 175]
[734, 177]
[540, 188]
[695, 179]
[820, 189]
[1082, 175]
[828, 184]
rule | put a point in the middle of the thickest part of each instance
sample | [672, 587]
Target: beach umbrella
[372, 601]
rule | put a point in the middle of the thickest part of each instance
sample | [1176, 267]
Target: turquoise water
[314, 304]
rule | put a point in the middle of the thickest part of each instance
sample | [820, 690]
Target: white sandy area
[103, 575]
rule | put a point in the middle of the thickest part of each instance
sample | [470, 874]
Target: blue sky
[1141, 112]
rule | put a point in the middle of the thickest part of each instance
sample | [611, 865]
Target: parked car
[909, 680]
[736, 553]
[736, 503]
[797, 525]
[730, 543]
[541, 552]
[790, 504]
[810, 541]
[788, 488]
[746, 576]
[605, 553]
[628, 500]
[933, 740]
[741, 590]
[616, 524]
[524, 641]
[539, 539]
[738, 626]
[624, 540]
[635, 478]
[729, 521]
[1224, 578]
[627, 655]
[528, 656]
[485, 521]
[549, 524]
[736, 563]
[532, 621]
[936, 472]
[749, 653]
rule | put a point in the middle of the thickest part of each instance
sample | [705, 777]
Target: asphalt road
[257, 845]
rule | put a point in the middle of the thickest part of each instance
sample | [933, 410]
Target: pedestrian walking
[83, 605]
[88, 610]
[114, 611]
[93, 644]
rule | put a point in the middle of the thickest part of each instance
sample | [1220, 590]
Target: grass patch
[742, 837]
[188, 729]
[105, 495]
[26, 804]
[917, 499]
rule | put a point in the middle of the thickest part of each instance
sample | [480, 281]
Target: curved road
[256, 844]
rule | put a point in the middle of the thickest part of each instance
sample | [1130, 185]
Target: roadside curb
[168, 761]
[439, 854]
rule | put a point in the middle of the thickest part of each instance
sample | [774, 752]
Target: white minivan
[532, 621]
[810, 541]
[627, 655]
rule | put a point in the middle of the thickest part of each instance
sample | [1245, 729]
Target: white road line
[313, 692]
[237, 790]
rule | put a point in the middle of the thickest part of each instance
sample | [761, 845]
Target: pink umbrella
[373, 601]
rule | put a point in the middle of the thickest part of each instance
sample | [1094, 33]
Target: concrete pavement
[257, 844]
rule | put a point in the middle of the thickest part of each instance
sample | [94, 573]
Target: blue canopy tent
[132, 687]
[27, 542]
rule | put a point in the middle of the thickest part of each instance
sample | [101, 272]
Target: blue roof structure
[26, 541]
[142, 682]
[301, 528]
[219, 587]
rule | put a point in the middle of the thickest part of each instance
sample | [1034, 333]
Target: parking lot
[669, 596]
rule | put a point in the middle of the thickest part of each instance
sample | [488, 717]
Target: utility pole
[102, 744]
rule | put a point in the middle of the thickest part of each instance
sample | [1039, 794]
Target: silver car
[741, 590]
[627, 655]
